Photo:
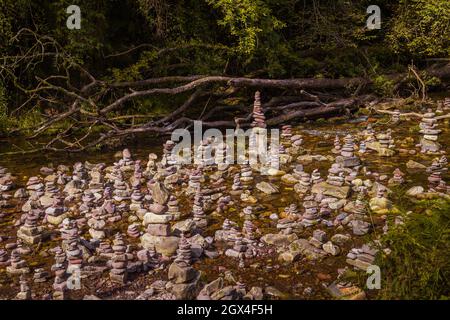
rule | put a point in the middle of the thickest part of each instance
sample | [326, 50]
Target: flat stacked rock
[173, 208]
[40, 275]
[362, 147]
[221, 156]
[88, 200]
[97, 225]
[315, 177]
[311, 215]
[119, 260]
[35, 186]
[236, 188]
[397, 179]
[259, 120]
[31, 232]
[56, 213]
[133, 230]
[4, 259]
[17, 264]
[337, 145]
[25, 291]
[184, 278]
[69, 232]
[428, 128]
[121, 190]
[74, 257]
[395, 117]
[158, 231]
[96, 184]
[361, 258]
[246, 174]
[199, 215]
[347, 158]
[126, 160]
[304, 185]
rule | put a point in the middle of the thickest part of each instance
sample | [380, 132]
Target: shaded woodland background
[186, 60]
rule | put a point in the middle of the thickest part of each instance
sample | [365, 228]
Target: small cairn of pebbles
[25, 291]
[361, 258]
[119, 260]
[198, 212]
[428, 128]
[17, 264]
[183, 277]
[40, 275]
[30, 232]
[259, 120]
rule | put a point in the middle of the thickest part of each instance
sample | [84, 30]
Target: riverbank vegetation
[150, 66]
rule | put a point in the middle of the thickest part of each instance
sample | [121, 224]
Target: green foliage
[247, 20]
[4, 119]
[421, 27]
[418, 266]
[383, 85]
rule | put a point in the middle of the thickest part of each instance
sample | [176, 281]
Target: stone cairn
[236, 188]
[358, 223]
[337, 145]
[69, 232]
[168, 159]
[182, 275]
[104, 249]
[198, 212]
[362, 147]
[239, 247]
[289, 223]
[17, 264]
[119, 260]
[297, 172]
[133, 230]
[246, 174]
[137, 198]
[222, 156]
[59, 268]
[126, 160]
[361, 258]
[31, 232]
[369, 134]
[97, 224]
[395, 118]
[97, 182]
[348, 158]
[88, 200]
[40, 275]
[204, 154]
[315, 177]
[435, 180]
[25, 291]
[51, 192]
[173, 208]
[74, 257]
[428, 128]
[224, 234]
[305, 183]
[35, 186]
[311, 215]
[4, 260]
[151, 164]
[259, 120]
[385, 140]
[56, 212]
[286, 131]
[249, 231]
[194, 179]
[397, 178]
[121, 191]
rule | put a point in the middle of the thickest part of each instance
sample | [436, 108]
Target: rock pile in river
[119, 260]
[259, 120]
[430, 132]
[184, 278]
